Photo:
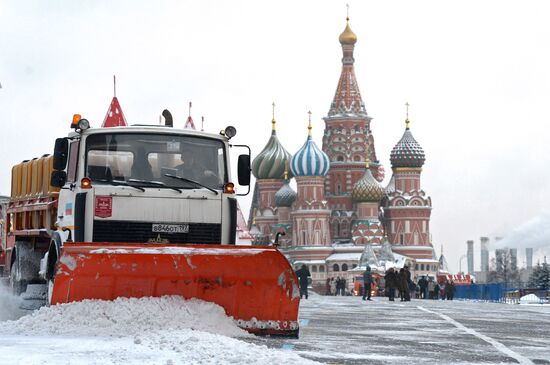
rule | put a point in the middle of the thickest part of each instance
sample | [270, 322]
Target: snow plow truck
[143, 211]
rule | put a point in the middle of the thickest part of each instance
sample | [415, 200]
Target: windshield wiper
[120, 183]
[192, 182]
[155, 183]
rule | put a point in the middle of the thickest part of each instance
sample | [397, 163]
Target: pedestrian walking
[430, 289]
[303, 275]
[423, 284]
[367, 281]
[327, 286]
[435, 293]
[333, 286]
[390, 279]
[407, 283]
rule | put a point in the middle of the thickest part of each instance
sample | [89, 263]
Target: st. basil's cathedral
[341, 218]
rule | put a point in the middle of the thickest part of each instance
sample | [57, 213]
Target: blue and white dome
[309, 160]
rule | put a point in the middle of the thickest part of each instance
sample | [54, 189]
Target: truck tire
[53, 256]
[16, 284]
[24, 268]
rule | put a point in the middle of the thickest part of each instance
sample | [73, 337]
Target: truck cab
[145, 184]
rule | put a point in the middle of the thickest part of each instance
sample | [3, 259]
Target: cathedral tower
[310, 213]
[407, 208]
[347, 132]
[269, 169]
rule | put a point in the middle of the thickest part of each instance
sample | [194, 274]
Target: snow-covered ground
[167, 330]
[342, 330]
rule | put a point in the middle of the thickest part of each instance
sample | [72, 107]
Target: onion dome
[285, 196]
[407, 152]
[367, 189]
[347, 36]
[309, 160]
[270, 163]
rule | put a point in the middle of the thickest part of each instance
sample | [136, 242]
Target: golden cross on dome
[286, 169]
[273, 119]
[407, 120]
[347, 12]
[309, 125]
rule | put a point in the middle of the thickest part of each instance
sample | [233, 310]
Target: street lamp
[460, 263]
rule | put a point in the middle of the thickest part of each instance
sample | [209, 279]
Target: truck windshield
[134, 157]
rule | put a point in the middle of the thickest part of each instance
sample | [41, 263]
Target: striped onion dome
[285, 196]
[270, 163]
[309, 160]
[407, 152]
[367, 189]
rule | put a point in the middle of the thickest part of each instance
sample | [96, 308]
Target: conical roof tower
[347, 132]
[368, 257]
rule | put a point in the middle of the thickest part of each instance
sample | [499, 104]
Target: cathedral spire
[347, 99]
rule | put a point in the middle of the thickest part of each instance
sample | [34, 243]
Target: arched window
[427, 267]
[416, 267]
[335, 267]
[422, 267]
[340, 158]
[321, 268]
[344, 267]
[314, 268]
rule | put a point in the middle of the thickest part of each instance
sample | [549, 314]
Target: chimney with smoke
[470, 256]
[484, 254]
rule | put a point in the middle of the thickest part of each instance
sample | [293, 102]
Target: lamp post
[460, 263]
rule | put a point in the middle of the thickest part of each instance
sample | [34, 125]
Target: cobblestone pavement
[347, 330]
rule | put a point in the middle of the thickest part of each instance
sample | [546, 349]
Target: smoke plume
[533, 233]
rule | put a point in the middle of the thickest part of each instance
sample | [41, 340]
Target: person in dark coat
[407, 283]
[391, 283]
[435, 294]
[367, 281]
[403, 285]
[450, 290]
[423, 284]
[303, 275]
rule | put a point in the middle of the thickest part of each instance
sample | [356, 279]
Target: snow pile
[530, 299]
[127, 317]
[9, 305]
[166, 331]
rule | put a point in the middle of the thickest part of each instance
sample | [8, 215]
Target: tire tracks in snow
[522, 360]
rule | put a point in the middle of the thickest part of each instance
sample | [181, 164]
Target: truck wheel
[17, 285]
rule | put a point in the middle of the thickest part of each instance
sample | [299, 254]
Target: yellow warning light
[76, 119]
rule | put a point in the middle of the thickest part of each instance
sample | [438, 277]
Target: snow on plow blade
[255, 285]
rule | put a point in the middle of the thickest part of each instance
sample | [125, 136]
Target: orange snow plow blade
[255, 285]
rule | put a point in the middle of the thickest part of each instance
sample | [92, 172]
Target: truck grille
[124, 231]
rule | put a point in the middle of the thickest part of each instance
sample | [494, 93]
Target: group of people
[398, 280]
[425, 288]
[431, 289]
[335, 286]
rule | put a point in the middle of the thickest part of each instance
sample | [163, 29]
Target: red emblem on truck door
[103, 206]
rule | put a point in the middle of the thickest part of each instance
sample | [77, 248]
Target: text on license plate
[171, 228]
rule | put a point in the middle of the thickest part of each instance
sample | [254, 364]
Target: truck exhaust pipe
[168, 120]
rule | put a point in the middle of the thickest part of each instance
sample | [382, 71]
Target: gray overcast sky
[476, 74]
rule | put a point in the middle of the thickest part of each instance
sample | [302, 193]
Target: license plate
[171, 228]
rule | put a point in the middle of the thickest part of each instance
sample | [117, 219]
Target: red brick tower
[310, 213]
[407, 208]
[347, 131]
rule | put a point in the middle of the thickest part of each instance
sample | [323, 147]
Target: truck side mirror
[243, 170]
[58, 178]
[60, 153]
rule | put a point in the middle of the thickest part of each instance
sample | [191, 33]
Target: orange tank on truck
[138, 211]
